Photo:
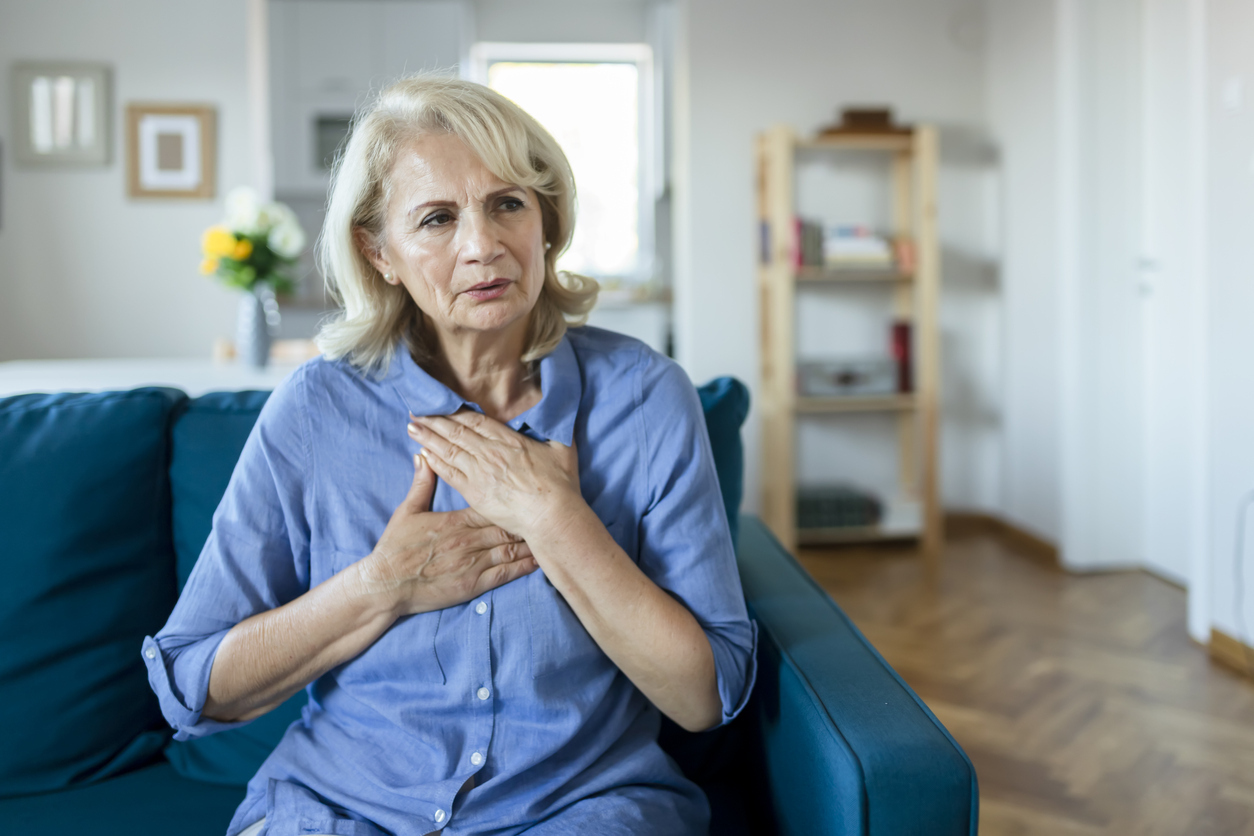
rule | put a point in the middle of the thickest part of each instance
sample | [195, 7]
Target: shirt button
[439, 816]
[483, 693]
[481, 608]
[151, 653]
[476, 758]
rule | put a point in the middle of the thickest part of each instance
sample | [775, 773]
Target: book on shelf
[846, 247]
[807, 244]
[852, 245]
[903, 350]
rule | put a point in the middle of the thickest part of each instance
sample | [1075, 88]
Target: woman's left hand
[517, 483]
[531, 490]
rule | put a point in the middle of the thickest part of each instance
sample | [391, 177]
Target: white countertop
[195, 377]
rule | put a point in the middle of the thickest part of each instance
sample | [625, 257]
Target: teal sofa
[105, 500]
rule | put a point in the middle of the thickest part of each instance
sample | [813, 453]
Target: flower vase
[257, 321]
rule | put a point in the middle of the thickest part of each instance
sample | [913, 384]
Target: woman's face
[468, 246]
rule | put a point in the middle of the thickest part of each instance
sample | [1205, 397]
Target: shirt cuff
[737, 669]
[180, 679]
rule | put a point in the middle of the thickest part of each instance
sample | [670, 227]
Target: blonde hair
[513, 146]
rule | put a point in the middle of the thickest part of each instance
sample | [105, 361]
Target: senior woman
[490, 548]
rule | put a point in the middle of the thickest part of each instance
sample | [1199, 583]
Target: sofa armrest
[844, 745]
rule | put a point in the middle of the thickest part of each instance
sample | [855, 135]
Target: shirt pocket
[406, 651]
[559, 641]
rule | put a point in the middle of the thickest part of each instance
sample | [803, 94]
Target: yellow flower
[243, 249]
[217, 242]
[209, 266]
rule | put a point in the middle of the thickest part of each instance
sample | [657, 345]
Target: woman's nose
[478, 239]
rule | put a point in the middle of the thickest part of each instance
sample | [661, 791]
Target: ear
[366, 246]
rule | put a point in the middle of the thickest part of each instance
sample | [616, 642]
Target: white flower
[246, 215]
[242, 211]
[271, 215]
[287, 238]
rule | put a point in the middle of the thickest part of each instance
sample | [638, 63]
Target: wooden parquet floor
[1080, 699]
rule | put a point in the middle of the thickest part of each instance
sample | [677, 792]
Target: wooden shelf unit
[915, 297]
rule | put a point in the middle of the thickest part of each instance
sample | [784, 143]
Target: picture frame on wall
[171, 151]
[61, 113]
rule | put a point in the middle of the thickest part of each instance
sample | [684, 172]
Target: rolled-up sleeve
[255, 559]
[686, 546]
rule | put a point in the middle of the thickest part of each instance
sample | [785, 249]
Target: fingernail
[423, 452]
[413, 428]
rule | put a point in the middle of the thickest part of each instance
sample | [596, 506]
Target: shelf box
[903, 520]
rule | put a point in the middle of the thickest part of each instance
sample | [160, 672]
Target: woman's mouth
[489, 290]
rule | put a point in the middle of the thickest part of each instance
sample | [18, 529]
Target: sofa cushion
[207, 440]
[152, 801]
[89, 570]
[725, 401]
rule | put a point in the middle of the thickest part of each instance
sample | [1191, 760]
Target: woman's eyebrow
[507, 190]
[428, 204]
[492, 196]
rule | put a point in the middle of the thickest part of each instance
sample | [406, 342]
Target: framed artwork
[171, 150]
[61, 113]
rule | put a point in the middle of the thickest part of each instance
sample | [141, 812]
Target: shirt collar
[552, 419]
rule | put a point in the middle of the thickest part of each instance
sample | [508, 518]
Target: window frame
[485, 53]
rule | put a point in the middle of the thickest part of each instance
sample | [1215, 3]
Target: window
[596, 101]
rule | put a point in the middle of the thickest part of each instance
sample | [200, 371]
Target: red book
[903, 355]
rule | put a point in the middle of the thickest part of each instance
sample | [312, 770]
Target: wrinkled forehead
[440, 167]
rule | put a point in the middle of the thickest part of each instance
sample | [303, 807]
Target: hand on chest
[365, 481]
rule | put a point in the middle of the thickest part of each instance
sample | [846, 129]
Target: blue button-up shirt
[500, 714]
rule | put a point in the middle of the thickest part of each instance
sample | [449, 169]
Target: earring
[548, 245]
[387, 277]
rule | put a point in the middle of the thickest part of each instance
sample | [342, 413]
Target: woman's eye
[437, 219]
[512, 204]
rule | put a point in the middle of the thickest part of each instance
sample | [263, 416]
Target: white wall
[1229, 120]
[1023, 113]
[1173, 287]
[744, 66]
[1121, 444]
[84, 270]
[1102, 414]
[562, 21]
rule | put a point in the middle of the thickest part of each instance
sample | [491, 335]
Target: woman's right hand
[428, 561]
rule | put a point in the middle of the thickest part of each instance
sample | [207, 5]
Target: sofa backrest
[87, 556]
